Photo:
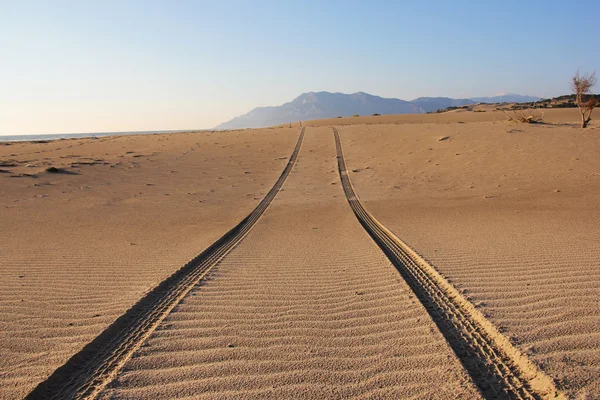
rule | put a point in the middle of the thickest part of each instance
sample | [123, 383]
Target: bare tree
[582, 85]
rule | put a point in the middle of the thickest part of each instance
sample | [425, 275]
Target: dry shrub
[524, 116]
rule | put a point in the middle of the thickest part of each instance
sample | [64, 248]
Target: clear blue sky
[90, 66]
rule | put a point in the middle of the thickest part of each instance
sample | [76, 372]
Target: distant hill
[564, 101]
[319, 105]
[506, 98]
[429, 104]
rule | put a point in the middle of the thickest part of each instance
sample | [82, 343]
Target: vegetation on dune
[581, 98]
[449, 109]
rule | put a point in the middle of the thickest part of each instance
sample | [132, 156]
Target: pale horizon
[241, 113]
[138, 66]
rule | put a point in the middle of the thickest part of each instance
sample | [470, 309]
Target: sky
[103, 66]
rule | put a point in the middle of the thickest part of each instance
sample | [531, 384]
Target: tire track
[498, 368]
[88, 371]
[305, 307]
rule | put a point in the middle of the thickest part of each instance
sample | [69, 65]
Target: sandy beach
[508, 214]
[299, 201]
[306, 305]
[80, 247]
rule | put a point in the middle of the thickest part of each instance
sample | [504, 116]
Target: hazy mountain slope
[506, 98]
[319, 105]
[429, 104]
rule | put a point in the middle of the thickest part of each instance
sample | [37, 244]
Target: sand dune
[556, 116]
[78, 250]
[508, 214]
[306, 306]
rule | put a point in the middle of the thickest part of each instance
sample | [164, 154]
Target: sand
[563, 116]
[306, 307]
[78, 248]
[508, 213]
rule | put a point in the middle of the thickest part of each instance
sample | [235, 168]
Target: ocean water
[58, 136]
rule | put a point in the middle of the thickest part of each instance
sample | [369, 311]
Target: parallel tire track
[88, 371]
[496, 366]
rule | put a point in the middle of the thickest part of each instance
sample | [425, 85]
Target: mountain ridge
[319, 105]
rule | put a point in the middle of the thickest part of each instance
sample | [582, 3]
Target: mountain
[429, 104]
[319, 105]
[506, 98]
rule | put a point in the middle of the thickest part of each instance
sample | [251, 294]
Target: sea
[58, 136]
